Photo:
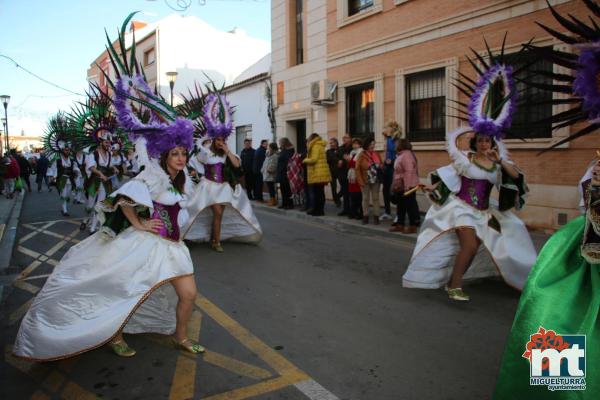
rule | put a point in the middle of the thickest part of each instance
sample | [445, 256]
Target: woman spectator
[406, 177]
[391, 133]
[355, 194]
[333, 162]
[12, 173]
[25, 171]
[369, 176]
[269, 172]
[287, 151]
[317, 173]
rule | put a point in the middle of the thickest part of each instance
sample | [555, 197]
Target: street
[312, 312]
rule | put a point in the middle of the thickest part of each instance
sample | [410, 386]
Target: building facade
[189, 46]
[299, 51]
[398, 59]
[250, 96]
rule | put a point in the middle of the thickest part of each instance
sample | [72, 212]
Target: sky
[59, 39]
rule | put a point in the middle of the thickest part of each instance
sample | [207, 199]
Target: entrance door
[301, 136]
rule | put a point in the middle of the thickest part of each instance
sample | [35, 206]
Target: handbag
[374, 172]
[19, 185]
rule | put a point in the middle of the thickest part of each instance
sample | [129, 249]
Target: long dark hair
[179, 181]
[219, 152]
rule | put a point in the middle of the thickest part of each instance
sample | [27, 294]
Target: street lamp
[5, 99]
[172, 76]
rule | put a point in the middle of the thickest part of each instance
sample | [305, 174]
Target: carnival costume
[462, 198]
[562, 295]
[58, 142]
[219, 185]
[80, 176]
[116, 279]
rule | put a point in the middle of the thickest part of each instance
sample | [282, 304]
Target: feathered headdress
[493, 94]
[218, 116]
[141, 112]
[59, 135]
[94, 121]
[582, 82]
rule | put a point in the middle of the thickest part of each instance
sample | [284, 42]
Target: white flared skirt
[101, 286]
[239, 222]
[509, 253]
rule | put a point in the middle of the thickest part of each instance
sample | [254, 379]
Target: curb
[7, 244]
[338, 223]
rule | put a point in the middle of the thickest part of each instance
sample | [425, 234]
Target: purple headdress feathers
[217, 116]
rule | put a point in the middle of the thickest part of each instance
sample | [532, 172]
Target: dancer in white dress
[464, 215]
[219, 207]
[136, 275]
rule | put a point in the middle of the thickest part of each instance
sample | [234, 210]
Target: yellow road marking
[53, 381]
[75, 392]
[28, 252]
[254, 344]
[30, 278]
[26, 286]
[39, 395]
[30, 268]
[236, 366]
[184, 379]
[1, 230]
[259, 388]
[52, 262]
[19, 312]
[55, 248]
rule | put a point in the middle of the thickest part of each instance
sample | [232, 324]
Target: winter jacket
[42, 166]
[405, 171]
[363, 162]
[282, 163]
[24, 166]
[269, 168]
[247, 158]
[316, 161]
[13, 171]
[259, 158]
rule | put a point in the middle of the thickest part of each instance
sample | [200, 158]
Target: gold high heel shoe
[188, 345]
[216, 246]
[121, 348]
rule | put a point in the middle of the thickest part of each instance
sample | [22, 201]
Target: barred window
[426, 102]
[526, 121]
[356, 6]
[360, 109]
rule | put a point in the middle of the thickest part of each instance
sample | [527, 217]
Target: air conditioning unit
[323, 92]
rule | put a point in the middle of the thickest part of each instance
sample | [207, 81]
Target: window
[356, 6]
[297, 32]
[149, 57]
[242, 133]
[426, 99]
[280, 93]
[360, 109]
[528, 112]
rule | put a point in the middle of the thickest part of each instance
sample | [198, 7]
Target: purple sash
[475, 192]
[214, 172]
[168, 216]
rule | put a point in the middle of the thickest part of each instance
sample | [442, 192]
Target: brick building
[397, 59]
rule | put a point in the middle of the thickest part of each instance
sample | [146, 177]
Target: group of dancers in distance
[138, 276]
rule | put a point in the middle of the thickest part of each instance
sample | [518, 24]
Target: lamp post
[172, 76]
[5, 99]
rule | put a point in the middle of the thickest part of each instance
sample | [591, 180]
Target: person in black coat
[247, 158]
[259, 159]
[332, 161]
[25, 170]
[343, 157]
[287, 151]
[41, 169]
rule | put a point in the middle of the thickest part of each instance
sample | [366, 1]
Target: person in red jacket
[12, 173]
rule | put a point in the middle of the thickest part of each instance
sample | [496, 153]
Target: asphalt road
[312, 312]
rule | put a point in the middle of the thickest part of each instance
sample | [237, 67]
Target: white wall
[251, 109]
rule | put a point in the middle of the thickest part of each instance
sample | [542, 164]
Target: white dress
[509, 248]
[239, 222]
[107, 283]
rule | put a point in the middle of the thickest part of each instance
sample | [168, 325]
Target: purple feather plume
[586, 84]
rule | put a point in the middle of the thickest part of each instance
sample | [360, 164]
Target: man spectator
[41, 170]
[343, 157]
[25, 170]
[259, 159]
[247, 158]
[287, 151]
[332, 162]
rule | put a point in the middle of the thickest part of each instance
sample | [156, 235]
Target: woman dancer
[219, 207]
[141, 279]
[462, 216]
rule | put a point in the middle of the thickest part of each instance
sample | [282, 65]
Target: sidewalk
[10, 211]
[345, 224]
